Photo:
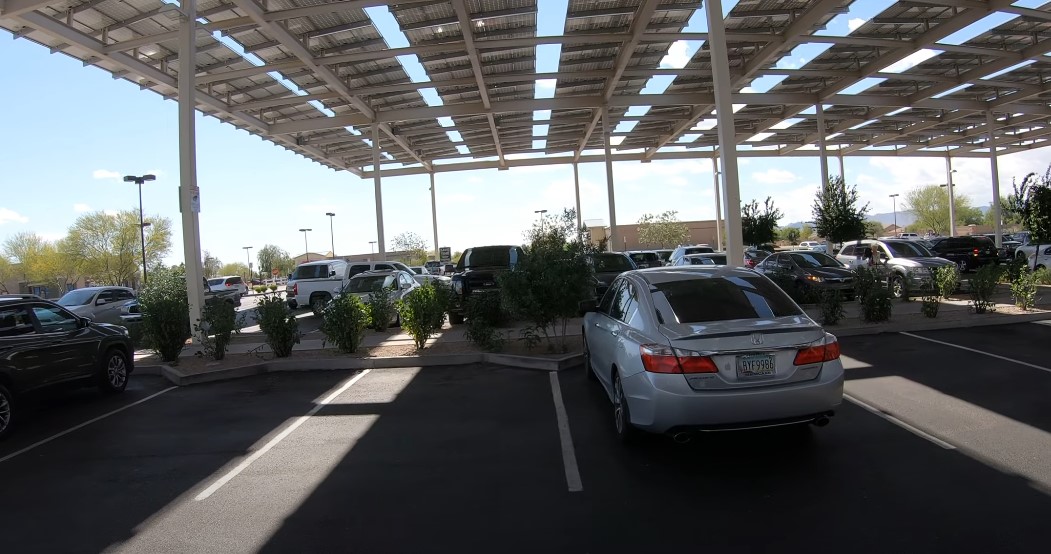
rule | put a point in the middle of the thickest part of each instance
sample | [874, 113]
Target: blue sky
[70, 132]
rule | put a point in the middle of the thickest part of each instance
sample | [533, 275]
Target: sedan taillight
[658, 358]
[827, 351]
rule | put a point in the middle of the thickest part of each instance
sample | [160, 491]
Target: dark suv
[43, 344]
[476, 272]
[967, 253]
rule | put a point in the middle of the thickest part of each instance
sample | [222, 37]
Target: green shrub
[930, 306]
[1012, 270]
[947, 279]
[484, 315]
[983, 285]
[344, 322]
[279, 325]
[1042, 276]
[218, 322]
[273, 288]
[381, 307]
[831, 307]
[137, 334]
[1023, 289]
[877, 306]
[865, 282]
[422, 314]
[166, 313]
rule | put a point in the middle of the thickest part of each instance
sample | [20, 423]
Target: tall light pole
[306, 249]
[894, 198]
[248, 258]
[372, 246]
[952, 197]
[331, 233]
[541, 212]
[139, 180]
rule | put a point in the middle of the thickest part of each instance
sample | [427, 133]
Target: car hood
[829, 272]
[83, 310]
[607, 277]
[931, 262]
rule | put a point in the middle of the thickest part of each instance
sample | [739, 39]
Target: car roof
[669, 274]
[704, 254]
[800, 252]
[17, 297]
[100, 288]
[376, 272]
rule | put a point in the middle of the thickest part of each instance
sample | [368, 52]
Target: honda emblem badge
[757, 338]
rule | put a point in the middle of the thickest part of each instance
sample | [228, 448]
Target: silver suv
[899, 262]
[99, 304]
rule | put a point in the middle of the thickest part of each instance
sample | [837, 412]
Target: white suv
[361, 267]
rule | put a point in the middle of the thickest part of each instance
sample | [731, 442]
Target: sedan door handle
[614, 333]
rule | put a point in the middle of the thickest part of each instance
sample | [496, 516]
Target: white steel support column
[822, 151]
[434, 217]
[994, 168]
[726, 130]
[952, 194]
[718, 206]
[576, 188]
[380, 242]
[613, 235]
[842, 170]
[189, 199]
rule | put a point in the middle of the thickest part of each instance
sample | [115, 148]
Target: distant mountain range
[904, 219]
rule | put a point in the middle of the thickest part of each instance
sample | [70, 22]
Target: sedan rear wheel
[621, 416]
[588, 370]
[7, 410]
[113, 376]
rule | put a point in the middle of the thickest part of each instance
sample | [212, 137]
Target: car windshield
[492, 256]
[369, 283]
[815, 260]
[908, 250]
[213, 282]
[725, 298]
[76, 298]
[611, 262]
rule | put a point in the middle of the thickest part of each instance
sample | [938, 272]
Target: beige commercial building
[701, 232]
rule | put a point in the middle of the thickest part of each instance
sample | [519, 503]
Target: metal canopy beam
[476, 65]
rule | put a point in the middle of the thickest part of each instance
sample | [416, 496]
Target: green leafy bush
[832, 311]
[1012, 270]
[1023, 289]
[947, 280]
[983, 285]
[137, 334]
[166, 313]
[865, 282]
[930, 306]
[906, 289]
[877, 306]
[279, 325]
[273, 288]
[1042, 276]
[344, 322]
[484, 316]
[381, 307]
[422, 314]
[218, 322]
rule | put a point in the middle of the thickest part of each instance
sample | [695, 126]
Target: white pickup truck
[312, 283]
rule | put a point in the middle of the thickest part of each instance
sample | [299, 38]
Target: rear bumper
[660, 403]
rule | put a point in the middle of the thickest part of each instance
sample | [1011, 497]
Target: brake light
[295, 289]
[825, 352]
[657, 358]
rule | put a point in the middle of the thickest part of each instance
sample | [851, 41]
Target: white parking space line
[218, 484]
[910, 428]
[569, 453]
[85, 424]
[991, 355]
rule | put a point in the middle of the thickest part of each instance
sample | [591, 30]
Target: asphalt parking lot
[943, 445]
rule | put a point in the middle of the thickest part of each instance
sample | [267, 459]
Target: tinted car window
[908, 250]
[698, 250]
[612, 262]
[54, 320]
[77, 297]
[124, 294]
[847, 250]
[725, 298]
[360, 268]
[213, 282]
[15, 322]
[382, 267]
[369, 283]
[308, 272]
[606, 306]
[815, 260]
[234, 281]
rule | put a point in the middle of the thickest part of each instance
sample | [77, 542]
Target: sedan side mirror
[101, 301]
[83, 322]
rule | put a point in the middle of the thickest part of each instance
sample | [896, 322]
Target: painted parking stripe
[569, 453]
[910, 428]
[85, 424]
[982, 352]
[218, 484]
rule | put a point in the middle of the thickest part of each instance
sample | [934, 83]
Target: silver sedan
[687, 349]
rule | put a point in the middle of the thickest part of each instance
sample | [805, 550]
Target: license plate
[758, 365]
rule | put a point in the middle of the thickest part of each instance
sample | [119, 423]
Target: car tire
[961, 265]
[317, 304]
[113, 371]
[7, 412]
[626, 432]
[588, 370]
[1039, 267]
[455, 319]
[896, 286]
[292, 304]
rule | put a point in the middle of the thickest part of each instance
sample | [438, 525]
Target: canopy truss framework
[480, 59]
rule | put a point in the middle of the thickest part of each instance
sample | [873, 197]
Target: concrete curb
[936, 324]
[271, 366]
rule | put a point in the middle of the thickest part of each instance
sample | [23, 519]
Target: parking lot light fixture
[306, 249]
[894, 198]
[248, 258]
[331, 233]
[139, 180]
[372, 246]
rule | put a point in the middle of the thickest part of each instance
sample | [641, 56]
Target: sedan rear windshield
[76, 298]
[612, 262]
[707, 259]
[493, 256]
[310, 272]
[369, 283]
[698, 250]
[725, 298]
[214, 282]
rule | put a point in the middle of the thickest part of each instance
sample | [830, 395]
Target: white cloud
[775, 176]
[52, 236]
[81, 208]
[105, 174]
[10, 216]
[855, 23]
[677, 56]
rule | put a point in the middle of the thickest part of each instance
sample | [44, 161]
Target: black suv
[967, 253]
[43, 344]
[476, 272]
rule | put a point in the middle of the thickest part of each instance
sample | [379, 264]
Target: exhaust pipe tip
[821, 421]
[682, 437]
